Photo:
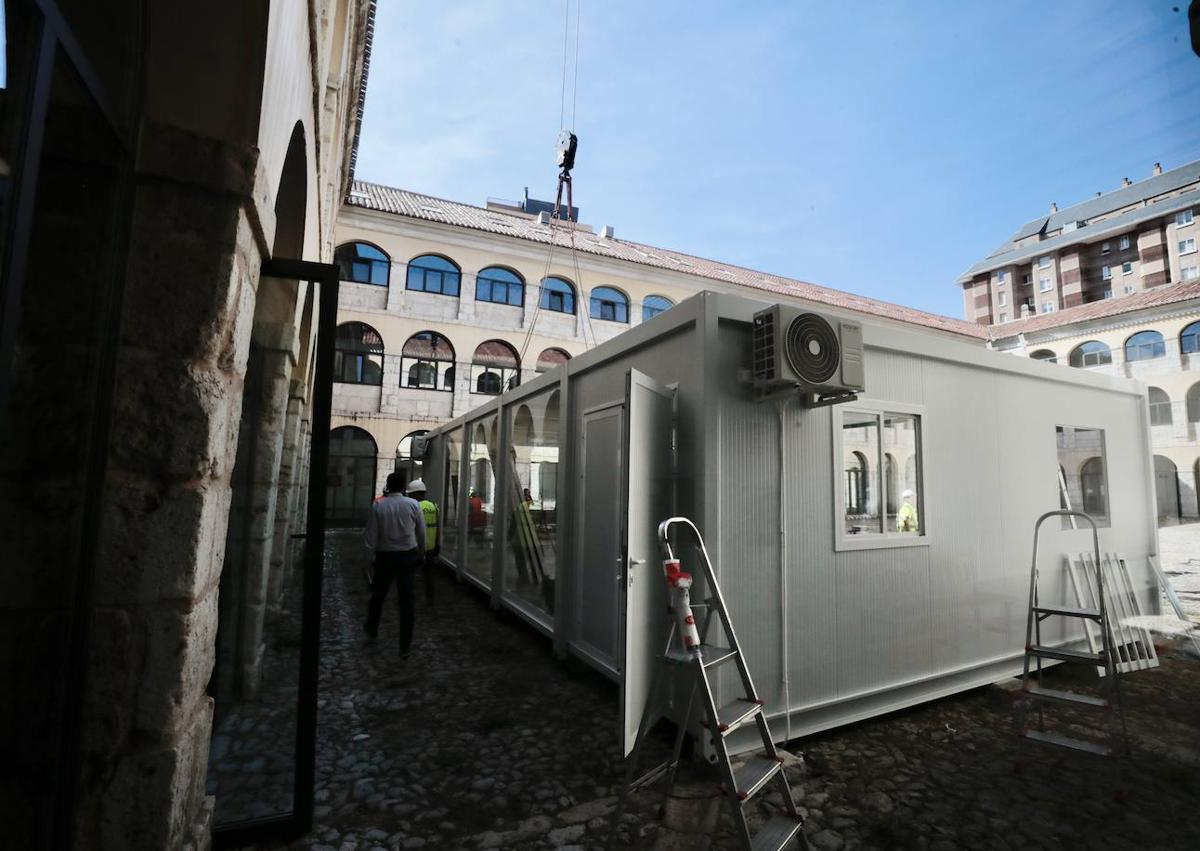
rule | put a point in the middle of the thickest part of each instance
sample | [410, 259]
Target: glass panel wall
[531, 559]
[481, 499]
[450, 518]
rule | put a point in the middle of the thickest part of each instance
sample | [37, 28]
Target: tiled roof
[1091, 233]
[1151, 187]
[401, 202]
[1098, 309]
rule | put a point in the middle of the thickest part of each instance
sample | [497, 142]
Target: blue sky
[879, 148]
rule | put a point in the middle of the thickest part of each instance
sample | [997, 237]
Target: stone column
[195, 252]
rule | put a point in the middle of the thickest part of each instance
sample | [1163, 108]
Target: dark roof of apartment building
[1137, 193]
[1103, 309]
[402, 202]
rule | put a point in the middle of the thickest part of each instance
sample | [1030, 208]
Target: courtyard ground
[482, 739]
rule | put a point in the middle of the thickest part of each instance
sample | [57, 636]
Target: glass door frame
[299, 821]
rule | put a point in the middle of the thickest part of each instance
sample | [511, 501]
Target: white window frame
[1108, 293]
[1001, 277]
[1125, 243]
[1129, 288]
[1106, 273]
[1189, 273]
[1190, 242]
[1126, 268]
[1045, 285]
[1184, 218]
[1003, 317]
[1047, 307]
[1105, 247]
[1044, 261]
[882, 540]
[1002, 300]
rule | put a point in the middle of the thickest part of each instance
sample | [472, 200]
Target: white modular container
[553, 492]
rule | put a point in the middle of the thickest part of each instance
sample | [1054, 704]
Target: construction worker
[433, 542]
[906, 517]
[396, 531]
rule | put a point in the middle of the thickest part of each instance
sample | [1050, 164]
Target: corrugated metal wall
[905, 619]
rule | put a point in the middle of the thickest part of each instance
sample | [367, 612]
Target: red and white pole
[679, 584]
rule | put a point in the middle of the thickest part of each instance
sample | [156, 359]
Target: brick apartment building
[1112, 285]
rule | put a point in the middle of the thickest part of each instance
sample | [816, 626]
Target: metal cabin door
[649, 491]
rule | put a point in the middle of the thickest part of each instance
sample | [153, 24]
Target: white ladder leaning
[692, 651]
[1104, 656]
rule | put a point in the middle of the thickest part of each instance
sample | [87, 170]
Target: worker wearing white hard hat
[906, 518]
[416, 489]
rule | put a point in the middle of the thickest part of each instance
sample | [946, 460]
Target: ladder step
[1066, 696]
[779, 830]
[730, 716]
[712, 654]
[1068, 612]
[1065, 655]
[1062, 741]
[756, 772]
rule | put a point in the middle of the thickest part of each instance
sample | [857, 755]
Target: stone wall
[176, 407]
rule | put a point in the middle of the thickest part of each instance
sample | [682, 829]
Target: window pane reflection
[860, 457]
[481, 500]
[530, 559]
[901, 463]
[450, 519]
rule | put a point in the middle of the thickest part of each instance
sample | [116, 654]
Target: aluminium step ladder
[1035, 695]
[692, 651]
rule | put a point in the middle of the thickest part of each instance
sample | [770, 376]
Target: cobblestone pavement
[483, 740]
[1180, 550]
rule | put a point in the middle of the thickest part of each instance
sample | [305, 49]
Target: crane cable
[556, 223]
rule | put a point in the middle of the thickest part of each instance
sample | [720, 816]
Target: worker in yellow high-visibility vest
[906, 518]
[433, 532]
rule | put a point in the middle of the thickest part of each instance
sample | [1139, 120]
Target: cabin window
[878, 464]
[1082, 475]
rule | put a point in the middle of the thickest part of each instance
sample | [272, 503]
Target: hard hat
[905, 495]
[414, 486]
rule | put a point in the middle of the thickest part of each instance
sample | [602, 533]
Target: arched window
[1091, 353]
[412, 468]
[1091, 481]
[494, 368]
[1166, 488]
[1145, 345]
[430, 273]
[1189, 339]
[856, 483]
[351, 483]
[1160, 407]
[609, 304]
[654, 305]
[427, 362]
[1044, 354]
[500, 286]
[358, 354]
[551, 358]
[363, 264]
[558, 295]
[1193, 403]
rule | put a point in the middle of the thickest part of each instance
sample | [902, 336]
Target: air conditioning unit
[798, 351]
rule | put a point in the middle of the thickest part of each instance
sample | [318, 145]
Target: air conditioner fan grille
[812, 348]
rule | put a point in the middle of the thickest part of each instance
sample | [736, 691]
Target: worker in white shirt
[396, 531]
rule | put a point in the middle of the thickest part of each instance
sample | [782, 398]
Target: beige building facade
[392, 240]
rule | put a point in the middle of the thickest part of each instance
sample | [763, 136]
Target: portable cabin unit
[553, 491]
